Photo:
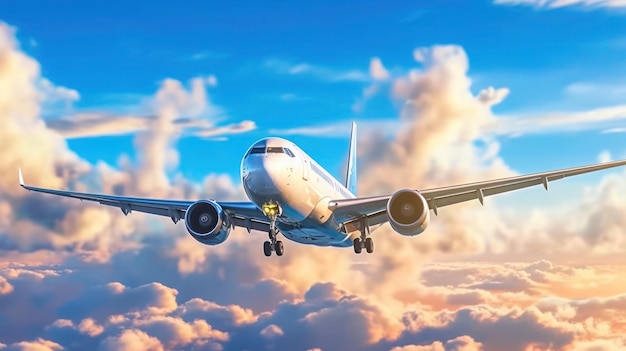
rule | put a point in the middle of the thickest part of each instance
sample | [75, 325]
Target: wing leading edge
[375, 208]
[242, 214]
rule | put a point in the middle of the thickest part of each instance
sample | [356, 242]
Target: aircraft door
[305, 170]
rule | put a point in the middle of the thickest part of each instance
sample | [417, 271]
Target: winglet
[19, 170]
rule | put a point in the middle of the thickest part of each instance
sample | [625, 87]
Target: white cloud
[377, 74]
[212, 80]
[62, 323]
[367, 93]
[461, 343]
[20, 116]
[131, 340]
[5, 286]
[235, 128]
[614, 130]
[56, 99]
[90, 327]
[436, 147]
[380, 74]
[88, 125]
[272, 331]
[551, 4]
[604, 156]
[491, 96]
[57, 93]
[341, 128]
[207, 55]
[599, 92]
[37, 345]
[318, 72]
[176, 110]
[377, 70]
[327, 130]
[604, 118]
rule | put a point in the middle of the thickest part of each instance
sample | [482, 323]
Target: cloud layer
[516, 306]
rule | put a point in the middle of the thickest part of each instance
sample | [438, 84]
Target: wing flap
[473, 195]
[113, 200]
[251, 224]
[549, 176]
[127, 208]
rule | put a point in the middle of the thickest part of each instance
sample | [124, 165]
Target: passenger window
[288, 152]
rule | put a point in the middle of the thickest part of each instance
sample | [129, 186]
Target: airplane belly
[315, 235]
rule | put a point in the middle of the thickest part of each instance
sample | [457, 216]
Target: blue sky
[115, 54]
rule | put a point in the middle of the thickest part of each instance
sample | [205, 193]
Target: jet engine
[408, 212]
[207, 223]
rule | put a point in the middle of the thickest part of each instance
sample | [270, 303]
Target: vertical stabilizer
[351, 170]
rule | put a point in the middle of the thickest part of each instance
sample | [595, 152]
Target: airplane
[292, 195]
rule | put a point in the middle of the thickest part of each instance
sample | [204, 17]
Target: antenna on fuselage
[351, 178]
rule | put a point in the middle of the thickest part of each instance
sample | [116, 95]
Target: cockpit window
[257, 150]
[275, 150]
[272, 150]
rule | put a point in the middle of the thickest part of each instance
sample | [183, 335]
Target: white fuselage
[276, 170]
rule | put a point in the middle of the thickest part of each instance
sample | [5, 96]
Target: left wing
[242, 214]
[375, 208]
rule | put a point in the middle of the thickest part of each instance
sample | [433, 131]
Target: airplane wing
[375, 208]
[242, 214]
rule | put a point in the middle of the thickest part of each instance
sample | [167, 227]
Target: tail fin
[351, 182]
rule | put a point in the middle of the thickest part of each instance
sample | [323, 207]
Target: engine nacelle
[206, 222]
[408, 212]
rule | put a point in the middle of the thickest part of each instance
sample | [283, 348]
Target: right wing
[375, 208]
[242, 214]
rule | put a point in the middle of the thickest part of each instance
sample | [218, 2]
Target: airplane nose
[257, 176]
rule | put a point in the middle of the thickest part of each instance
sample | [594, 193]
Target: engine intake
[206, 222]
[408, 212]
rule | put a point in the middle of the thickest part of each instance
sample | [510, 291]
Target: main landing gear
[364, 241]
[272, 210]
[273, 244]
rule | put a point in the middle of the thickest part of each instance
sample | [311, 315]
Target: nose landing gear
[272, 210]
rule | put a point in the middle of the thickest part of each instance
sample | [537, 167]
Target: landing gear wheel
[369, 245]
[267, 248]
[358, 246]
[279, 248]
